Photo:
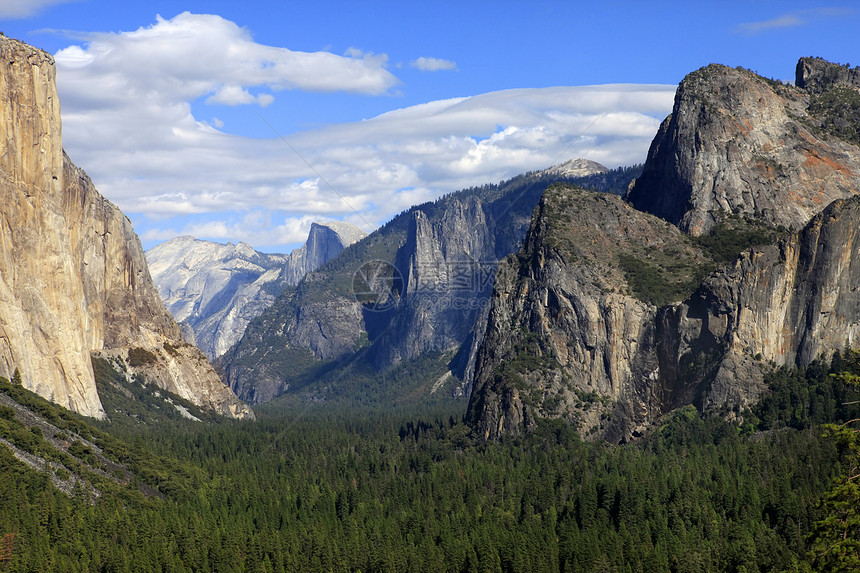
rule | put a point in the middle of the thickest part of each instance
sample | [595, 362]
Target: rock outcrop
[737, 143]
[576, 168]
[73, 278]
[817, 75]
[609, 320]
[569, 337]
[566, 337]
[216, 289]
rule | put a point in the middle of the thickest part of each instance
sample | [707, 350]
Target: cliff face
[417, 287]
[737, 143]
[788, 303]
[73, 278]
[816, 75]
[610, 317]
[565, 337]
[216, 290]
[325, 242]
[447, 266]
[39, 298]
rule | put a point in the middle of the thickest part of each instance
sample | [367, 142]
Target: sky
[248, 121]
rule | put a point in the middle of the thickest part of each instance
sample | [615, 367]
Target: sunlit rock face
[73, 278]
[737, 143]
[216, 289]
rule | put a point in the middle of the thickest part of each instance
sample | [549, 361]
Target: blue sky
[247, 121]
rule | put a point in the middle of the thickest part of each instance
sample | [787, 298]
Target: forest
[329, 488]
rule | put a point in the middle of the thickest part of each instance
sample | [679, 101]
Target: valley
[646, 368]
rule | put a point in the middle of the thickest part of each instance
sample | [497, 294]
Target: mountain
[216, 289]
[73, 277]
[737, 143]
[735, 253]
[417, 289]
[576, 168]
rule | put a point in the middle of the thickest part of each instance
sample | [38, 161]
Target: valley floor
[322, 489]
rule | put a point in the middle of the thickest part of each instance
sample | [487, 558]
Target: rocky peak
[217, 289]
[325, 242]
[576, 168]
[737, 143]
[568, 333]
[817, 75]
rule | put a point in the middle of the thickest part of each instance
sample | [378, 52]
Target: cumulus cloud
[791, 20]
[127, 120]
[194, 55]
[25, 8]
[433, 64]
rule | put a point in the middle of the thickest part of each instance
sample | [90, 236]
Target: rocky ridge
[215, 290]
[617, 326]
[73, 278]
[417, 287]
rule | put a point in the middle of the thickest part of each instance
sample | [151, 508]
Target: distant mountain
[73, 278]
[413, 292]
[576, 168]
[214, 289]
[736, 252]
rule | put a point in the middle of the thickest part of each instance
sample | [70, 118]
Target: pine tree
[836, 538]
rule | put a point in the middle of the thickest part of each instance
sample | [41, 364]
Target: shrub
[140, 357]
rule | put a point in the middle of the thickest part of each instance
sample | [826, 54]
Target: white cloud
[25, 8]
[127, 115]
[791, 20]
[433, 64]
[194, 55]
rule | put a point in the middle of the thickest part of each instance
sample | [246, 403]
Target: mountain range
[415, 290]
[214, 290]
[683, 281]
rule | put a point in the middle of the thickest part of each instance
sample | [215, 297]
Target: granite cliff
[568, 334]
[215, 290]
[610, 317]
[416, 289]
[73, 278]
[737, 143]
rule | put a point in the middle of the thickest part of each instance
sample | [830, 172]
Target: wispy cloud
[791, 20]
[25, 8]
[433, 64]
[128, 120]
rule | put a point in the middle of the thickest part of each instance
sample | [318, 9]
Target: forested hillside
[381, 490]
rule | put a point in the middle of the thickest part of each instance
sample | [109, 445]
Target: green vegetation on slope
[660, 277]
[734, 234]
[837, 112]
[316, 489]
